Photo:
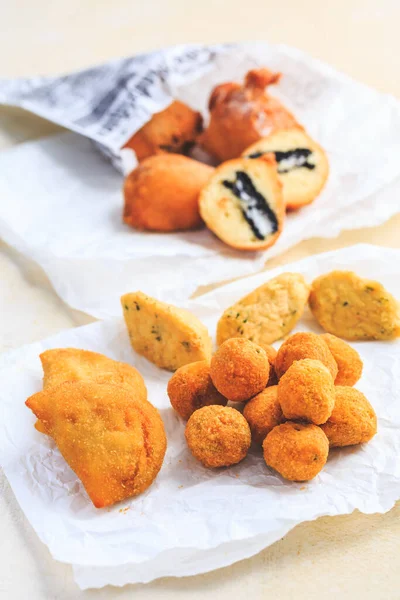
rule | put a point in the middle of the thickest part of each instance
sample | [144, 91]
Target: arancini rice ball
[263, 413]
[348, 360]
[304, 345]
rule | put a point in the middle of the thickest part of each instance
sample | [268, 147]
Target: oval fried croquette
[191, 388]
[218, 436]
[297, 452]
[353, 420]
[307, 391]
[239, 369]
[263, 413]
[304, 345]
[162, 193]
[348, 360]
[271, 355]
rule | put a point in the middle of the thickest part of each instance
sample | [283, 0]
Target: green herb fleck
[238, 315]
[369, 288]
[126, 307]
[137, 306]
[245, 320]
[186, 345]
[345, 303]
[158, 338]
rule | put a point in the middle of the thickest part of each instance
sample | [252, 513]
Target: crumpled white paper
[61, 203]
[193, 520]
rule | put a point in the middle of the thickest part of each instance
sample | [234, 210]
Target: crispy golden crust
[268, 313]
[301, 182]
[162, 193]
[191, 388]
[242, 114]
[174, 129]
[307, 392]
[218, 436]
[348, 360]
[353, 420]
[271, 355]
[239, 369]
[72, 364]
[304, 345]
[354, 308]
[298, 452]
[222, 210]
[114, 442]
[168, 336]
[263, 413]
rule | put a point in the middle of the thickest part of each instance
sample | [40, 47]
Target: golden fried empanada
[71, 364]
[114, 442]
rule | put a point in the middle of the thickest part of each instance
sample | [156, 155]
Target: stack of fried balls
[298, 402]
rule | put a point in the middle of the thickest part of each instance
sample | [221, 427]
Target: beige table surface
[356, 556]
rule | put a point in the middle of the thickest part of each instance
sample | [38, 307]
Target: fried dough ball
[297, 452]
[239, 369]
[162, 193]
[307, 391]
[191, 388]
[353, 420]
[218, 436]
[242, 114]
[304, 345]
[174, 129]
[263, 413]
[348, 360]
[271, 355]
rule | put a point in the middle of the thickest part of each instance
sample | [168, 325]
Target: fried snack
[302, 164]
[218, 436]
[114, 442]
[263, 413]
[354, 308]
[348, 360]
[162, 193]
[307, 392]
[271, 355]
[242, 203]
[304, 345]
[239, 369]
[174, 129]
[242, 114]
[191, 388]
[168, 336]
[353, 420]
[71, 364]
[297, 452]
[268, 313]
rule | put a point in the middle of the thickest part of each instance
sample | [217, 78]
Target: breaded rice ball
[297, 452]
[304, 345]
[263, 413]
[239, 369]
[348, 360]
[307, 392]
[353, 420]
[271, 355]
[218, 436]
[191, 388]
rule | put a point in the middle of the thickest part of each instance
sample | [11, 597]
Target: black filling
[290, 160]
[254, 206]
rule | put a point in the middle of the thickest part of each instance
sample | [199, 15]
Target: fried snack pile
[96, 411]
[268, 164]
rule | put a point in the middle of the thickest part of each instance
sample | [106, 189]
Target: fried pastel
[263, 413]
[239, 369]
[301, 163]
[353, 420]
[353, 308]
[306, 392]
[304, 345]
[191, 388]
[114, 442]
[268, 313]
[297, 452]
[218, 436]
[174, 129]
[348, 360]
[168, 336]
[72, 364]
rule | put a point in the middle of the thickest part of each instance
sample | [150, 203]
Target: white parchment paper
[61, 201]
[193, 520]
